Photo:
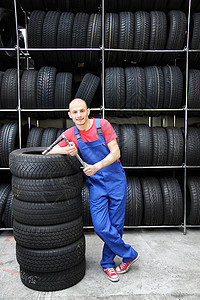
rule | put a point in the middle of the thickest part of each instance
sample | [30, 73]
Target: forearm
[108, 160]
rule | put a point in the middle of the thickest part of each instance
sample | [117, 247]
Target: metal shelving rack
[103, 109]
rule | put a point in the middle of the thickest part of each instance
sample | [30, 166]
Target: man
[96, 141]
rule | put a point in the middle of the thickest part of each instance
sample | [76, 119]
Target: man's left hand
[90, 170]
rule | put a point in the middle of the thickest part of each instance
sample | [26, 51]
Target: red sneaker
[112, 274]
[124, 267]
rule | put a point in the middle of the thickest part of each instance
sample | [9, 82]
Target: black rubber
[194, 89]
[153, 202]
[51, 260]
[134, 202]
[111, 37]
[88, 87]
[53, 281]
[160, 146]
[193, 142]
[175, 146]
[5, 190]
[47, 237]
[35, 137]
[48, 136]
[29, 89]
[193, 200]
[172, 201]
[30, 163]
[9, 97]
[45, 213]
[47, 190]
[144, 145]
[63, 91]
[87, 219]
[128, 145]
[7, 218]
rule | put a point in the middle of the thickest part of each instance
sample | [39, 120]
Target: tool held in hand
[68, 143]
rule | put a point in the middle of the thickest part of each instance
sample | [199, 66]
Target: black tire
[47, 237]
[51, 260]
[9, 97]
[195, 36]
[49, 136]
[173, 79]
[35, 26]
[194, 89]
[142, 35]
[87, 219]
[46, 88]
[63, 90]
[94, 40]
[193, 144]
[64, 36]
[8, 37]
[160, 146]
[193, 200]
[135, 87]
[144, 145]
[29, 89]
[153, 202]
[118, 133]
[35, 137]
[114, 87]
[49, 35]
[7, 217]
[111, 37]
[172, 201]
[47, 190]
[126, 36]
[8, 142]
[128, 145]
[158, 35]
[30, 163]
[175, 146]
[88, 88]
[5, 190]
[1, 77]
[154, 88]
[48, 282]
[44, 214]
[134, 202]
[79, 36]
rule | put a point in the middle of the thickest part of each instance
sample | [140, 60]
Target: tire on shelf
[47, 237]
[128, 145]
[160, 146]
[172, 201]
[7, 217]
[5, 190]
[126, 36]
[135, 87]
[41, 213]
[35, 137]
[134, 202]
[144, 145]
[194, 89]
[79, 36]
[53, 281]
[88, 88]
[193, 200]
[111, 37]
[175, 146]
[29, 89]
[153, 201]
[48, 136]
[193, 142]
[64, 36]
[30, 163]
[94, 40]
[9, 97]
[47, 190]
[8, 142]
[51, 260]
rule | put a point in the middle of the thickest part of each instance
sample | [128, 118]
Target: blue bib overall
[107, 199]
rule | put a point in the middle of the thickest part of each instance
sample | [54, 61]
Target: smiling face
[79, 113]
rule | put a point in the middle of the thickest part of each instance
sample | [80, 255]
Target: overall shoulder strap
[98, 126]
[77, 134]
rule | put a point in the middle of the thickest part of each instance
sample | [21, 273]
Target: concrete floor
[168, 268]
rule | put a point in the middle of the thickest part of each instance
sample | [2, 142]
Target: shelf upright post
[103, 60]
[18, 75]
[186, 115]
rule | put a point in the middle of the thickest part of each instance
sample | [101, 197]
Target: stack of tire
[47, 225]
[193, 200]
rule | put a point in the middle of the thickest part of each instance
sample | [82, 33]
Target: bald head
[77, 102]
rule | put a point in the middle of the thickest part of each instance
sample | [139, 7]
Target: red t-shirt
[91, 134]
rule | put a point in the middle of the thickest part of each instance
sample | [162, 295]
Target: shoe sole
[126, 270]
